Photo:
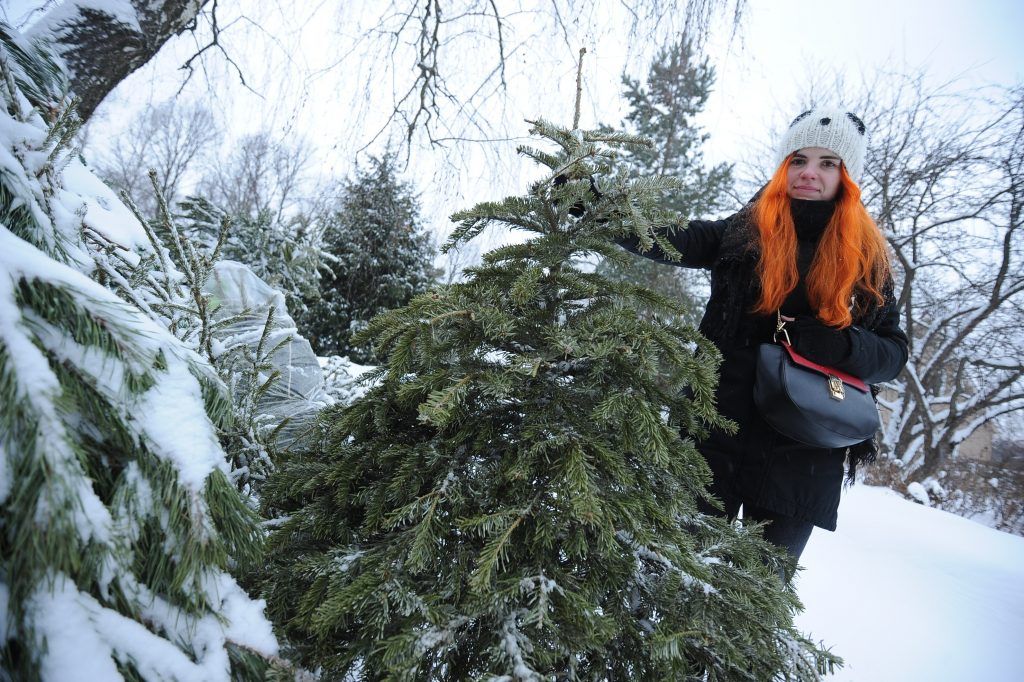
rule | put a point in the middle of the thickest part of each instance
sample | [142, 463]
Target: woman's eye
[829, 164]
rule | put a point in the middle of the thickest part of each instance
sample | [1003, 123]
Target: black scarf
[810, 218]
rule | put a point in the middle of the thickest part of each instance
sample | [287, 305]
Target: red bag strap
[847, 379]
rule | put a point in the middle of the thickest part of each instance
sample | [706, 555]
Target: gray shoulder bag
[816, 405]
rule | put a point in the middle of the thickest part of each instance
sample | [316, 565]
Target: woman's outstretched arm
[698, 243]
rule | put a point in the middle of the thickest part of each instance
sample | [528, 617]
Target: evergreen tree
[118, 521]
[515, 496]
[379, 258]
[676, 91]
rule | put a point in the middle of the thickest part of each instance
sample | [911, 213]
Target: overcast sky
[784, 40]
[308, 75]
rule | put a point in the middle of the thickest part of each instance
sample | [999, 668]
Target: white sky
[785, 40]
[310, 79]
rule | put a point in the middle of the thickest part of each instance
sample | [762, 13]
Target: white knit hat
[834, 129]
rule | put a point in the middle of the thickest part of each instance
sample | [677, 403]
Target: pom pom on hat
[835, 129]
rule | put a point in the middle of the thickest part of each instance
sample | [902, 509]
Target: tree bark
[102, 43]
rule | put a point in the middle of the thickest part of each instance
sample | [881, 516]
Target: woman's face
[813, 174]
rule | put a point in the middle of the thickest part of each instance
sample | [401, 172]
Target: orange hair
[852, 254]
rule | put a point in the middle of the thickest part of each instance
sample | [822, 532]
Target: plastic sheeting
[290, 404]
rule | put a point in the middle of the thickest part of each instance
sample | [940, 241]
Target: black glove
[819, 342]
[578, 209]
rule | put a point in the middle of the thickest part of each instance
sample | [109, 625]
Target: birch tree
[102, 43]
[417, 46]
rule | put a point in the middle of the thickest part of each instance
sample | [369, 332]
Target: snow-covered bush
[343, 379]
[991, 493]
[118, 520]
[237, 321]
[982, 491]
[286, 253]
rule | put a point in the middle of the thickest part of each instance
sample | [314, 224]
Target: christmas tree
[515, 498]
[118, 521]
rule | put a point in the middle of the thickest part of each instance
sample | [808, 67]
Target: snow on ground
[905, 593]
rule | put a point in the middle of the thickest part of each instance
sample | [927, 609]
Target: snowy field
[905, 593]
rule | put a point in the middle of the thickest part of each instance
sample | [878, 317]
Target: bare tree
[433, 36]
[261, 174]
[420, 44]
[169, 138]
[945, 181]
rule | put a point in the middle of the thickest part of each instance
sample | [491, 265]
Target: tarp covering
[243, 303]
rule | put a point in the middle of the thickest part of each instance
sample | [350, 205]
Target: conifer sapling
[515, 497]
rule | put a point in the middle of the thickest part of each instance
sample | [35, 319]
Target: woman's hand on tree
[579, 208]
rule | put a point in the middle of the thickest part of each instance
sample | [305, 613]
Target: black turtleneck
[810, 218]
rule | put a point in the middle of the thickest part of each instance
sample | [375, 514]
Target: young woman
[807, 247]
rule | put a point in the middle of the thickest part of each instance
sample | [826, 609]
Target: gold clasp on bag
[835, 388]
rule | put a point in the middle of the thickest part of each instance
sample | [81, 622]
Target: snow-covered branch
[103, 41]
[946, 181]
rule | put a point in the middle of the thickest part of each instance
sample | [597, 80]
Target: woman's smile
[813, 173]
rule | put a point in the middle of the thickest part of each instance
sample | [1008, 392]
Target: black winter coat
[758, 465]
